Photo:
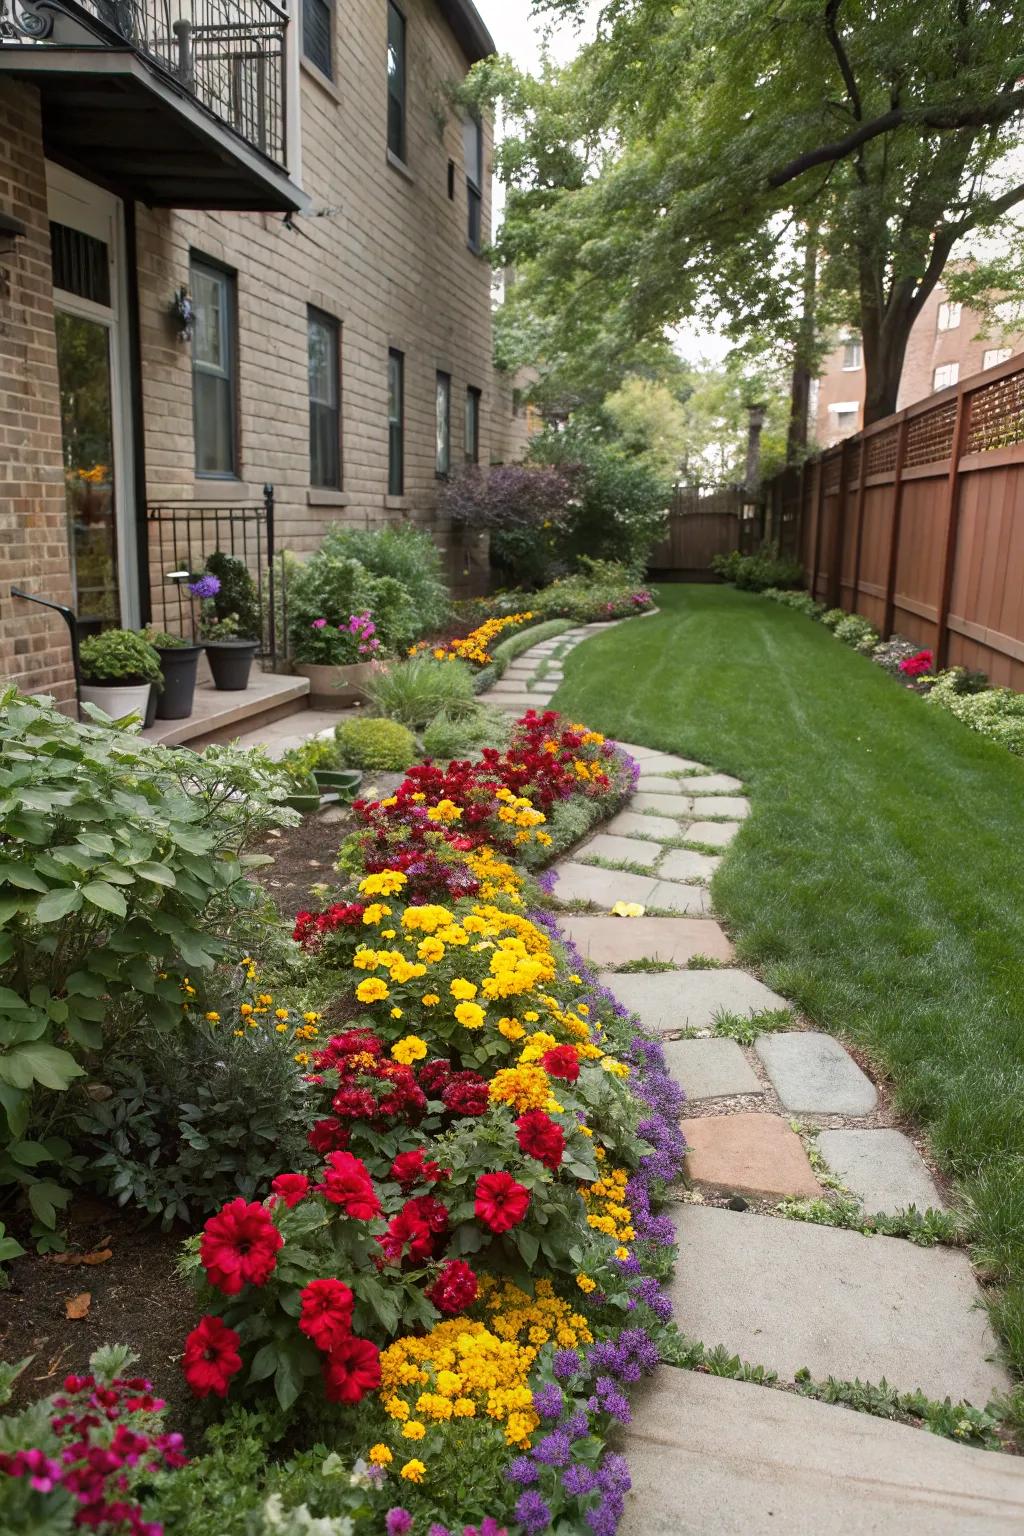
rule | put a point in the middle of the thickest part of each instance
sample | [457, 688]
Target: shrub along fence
[918, 523]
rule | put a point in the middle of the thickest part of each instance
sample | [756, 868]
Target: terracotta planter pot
[118, 699]
[336, 687]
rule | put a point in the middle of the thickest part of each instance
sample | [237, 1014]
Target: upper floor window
[995, 355]
[949, 316]
[443, 462]
[946, 375]
[324, 347]
[214, 369]
[396, 82]
[318, 34]
[473, 144]
[853, 355]
[472, 444]
[396, 423]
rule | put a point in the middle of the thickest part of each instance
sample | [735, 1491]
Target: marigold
[462, 989]
[372, 990]
[380, 1455]
[411, 1049]
[414, 1471]
[470, 1015]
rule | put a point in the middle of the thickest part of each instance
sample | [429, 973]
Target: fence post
[894, 531]
[862, 473]
[960, 429]
[835, 575]
[268, 506]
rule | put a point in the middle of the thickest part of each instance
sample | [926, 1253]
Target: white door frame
[84, 206]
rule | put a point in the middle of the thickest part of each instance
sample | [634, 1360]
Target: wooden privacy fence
[704, 522]
[918, 523]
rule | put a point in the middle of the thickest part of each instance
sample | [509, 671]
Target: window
[473, 145]
[443, 462]
[318, 34]
[946, 375]
[845, 415]
[396, 81]
[451, 181]
[472, 426]
[949, 316]
[396, 423]
[324, 345]
[995, 355]
[214, 401]
[853, 357]
[846, 420]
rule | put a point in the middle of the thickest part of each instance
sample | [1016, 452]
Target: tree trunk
[803, 356]
[885, 332]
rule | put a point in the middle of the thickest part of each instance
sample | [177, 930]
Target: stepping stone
[607, 941]
[630, 824]
[650, 783]
[713, 1457]
[690, 999]
[710, 1069]
[684, 864]
[516, 703]
[883, 1167]
[747, 1155]
[640, 753]
[790, 1294]
[736, 808]
[664, 762]
[601, 887]
[711, 784]
[717, 834]
[620, 850]
[515, 685]
[670, 805]
[669, 896]
[811, 1072]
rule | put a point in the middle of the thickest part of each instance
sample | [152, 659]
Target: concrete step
[221, 717]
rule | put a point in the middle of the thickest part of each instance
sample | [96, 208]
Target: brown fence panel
[702, 524]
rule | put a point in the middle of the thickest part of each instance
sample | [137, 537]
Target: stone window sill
[399, 165]
[323, 496]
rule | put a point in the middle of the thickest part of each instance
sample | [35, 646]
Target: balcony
[176, 103]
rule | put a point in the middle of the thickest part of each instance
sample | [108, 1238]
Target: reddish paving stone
[748, 1155]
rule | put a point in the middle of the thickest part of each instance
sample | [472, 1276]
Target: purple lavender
[532, 1513]
[204, 587]
[554, 1450]
[548, 1400]
[566, 1363]
[521, 1470]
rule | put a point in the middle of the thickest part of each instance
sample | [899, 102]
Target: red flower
[348, 1184]
[454, 1289]
[239, 1247]
[540, 1137]
[562, 1061]
[407, 1231]
[328, 1136]
[466, 1094]
[351, 1370]
[918, 664]
[292, 1187]
[326, 1315]
[501, 1203]
[211, 1357]
[434, 1077]
[411, 1168]
[340, 1048]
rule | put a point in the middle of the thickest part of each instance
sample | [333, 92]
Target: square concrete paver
[883, 1167]
[654, 784]
[790, 1294]
[685, 864]
[601, 887]
[640, 753]
[710, 1069]
[747, 1155]
[735, 807]
[712, 1457]
[667, 762]
[717, 834]
[620, 850]
[633, 824]
[711, 784]
[690, 999]
[669, 805]
[812, 1072]
[689, 900]
[606, 941]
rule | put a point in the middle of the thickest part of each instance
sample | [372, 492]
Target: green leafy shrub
[237, 603]
[889, 653]
[447, 737]
[959, 680]
[833, 616]
[119, 656]
[409, 556]
[620, 506]
[758, 572]
[857, 632]
[998, 713]
[507, 651]
[299, 763]
[166, 642]
[415, 691]
[334, 587]
[800, 602]
[384, 745]
[600, 590]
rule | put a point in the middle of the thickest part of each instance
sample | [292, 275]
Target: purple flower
[397, 1521]
[548, 1400]
[438, 1530]
[204, 586]
[566, 1364]
[532, 1513]
[555, 1450]
[521, 1470]
[577, 1424]
[579, 1480]
[319, 624]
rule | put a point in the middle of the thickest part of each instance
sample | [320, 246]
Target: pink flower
[319, 624]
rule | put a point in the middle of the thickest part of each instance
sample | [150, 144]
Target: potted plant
[119, 671]
[338, 659]
[179, 662]
[229, 620]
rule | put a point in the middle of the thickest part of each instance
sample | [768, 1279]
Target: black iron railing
[228, 54]
[182, 536]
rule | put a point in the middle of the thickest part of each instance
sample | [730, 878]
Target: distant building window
[995, 355]
[473, 144]
[948, 374]
[396, 423]
[318, 33]
[949, 316]
[451, 181]
[324, 346]
[214, 378]
[853, 355]
[846, 420]
[472, 445]
[443, 456]
[396, 81]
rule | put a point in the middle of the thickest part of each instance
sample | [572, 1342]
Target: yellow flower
[445, 811]
[212, 1017]
[375, 913]
[430, 999]
[372, 990]
[414, 1471]
[239, 1033]
[628, 909]
[411, 1049]
[245, 1009]
[585, 1284]
[396, 1013]
[462, 989]
[302, 1057]
[470, 1015]
[511, 1029]
[380, 1455]
[414, 1430]
[389, 882]
[311, 1017]
[281, 1029]
[281, 1013]
[431, 950]
[397, 1407]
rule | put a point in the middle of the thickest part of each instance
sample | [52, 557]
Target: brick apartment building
[240, 244]
[944, 346]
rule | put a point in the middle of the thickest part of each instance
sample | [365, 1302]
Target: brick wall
[34, 648]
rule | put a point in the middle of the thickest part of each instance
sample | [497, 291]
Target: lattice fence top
[930, 435]
[882, 452]
[831, 469]
[997, 415]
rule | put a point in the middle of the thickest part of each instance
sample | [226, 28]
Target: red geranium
[501, 1203]
[917, 665]
[328, 1136]
[562, 1061]
[434, 1077]
[291, 1187]
[415, 1232]
[347, 1183]
[541, 1137]
[466, 1093]
[239, 1247]
[411, 1168]
[454, 1289]
[351, 1370]
[211, 1357]
[311, 928]
[326, 1315]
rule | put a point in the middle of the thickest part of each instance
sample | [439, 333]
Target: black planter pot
[178, 664]
[230, 663]
[151, 707]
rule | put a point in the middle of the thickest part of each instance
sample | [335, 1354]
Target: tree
[663, 172]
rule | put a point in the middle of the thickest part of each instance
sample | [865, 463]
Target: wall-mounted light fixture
[183, 314]
[11, 231]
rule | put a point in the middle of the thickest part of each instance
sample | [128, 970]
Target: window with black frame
[324, 344]
[318, 34]
[214, 369]
[472, 444]
[396, 423]
[396, 82]
[473, 145]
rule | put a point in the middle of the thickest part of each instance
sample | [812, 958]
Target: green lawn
[880, 879]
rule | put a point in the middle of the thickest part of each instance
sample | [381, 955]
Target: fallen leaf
[100, 1256]
[78, 1306]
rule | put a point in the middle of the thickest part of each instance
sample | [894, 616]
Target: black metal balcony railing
[228, 54]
